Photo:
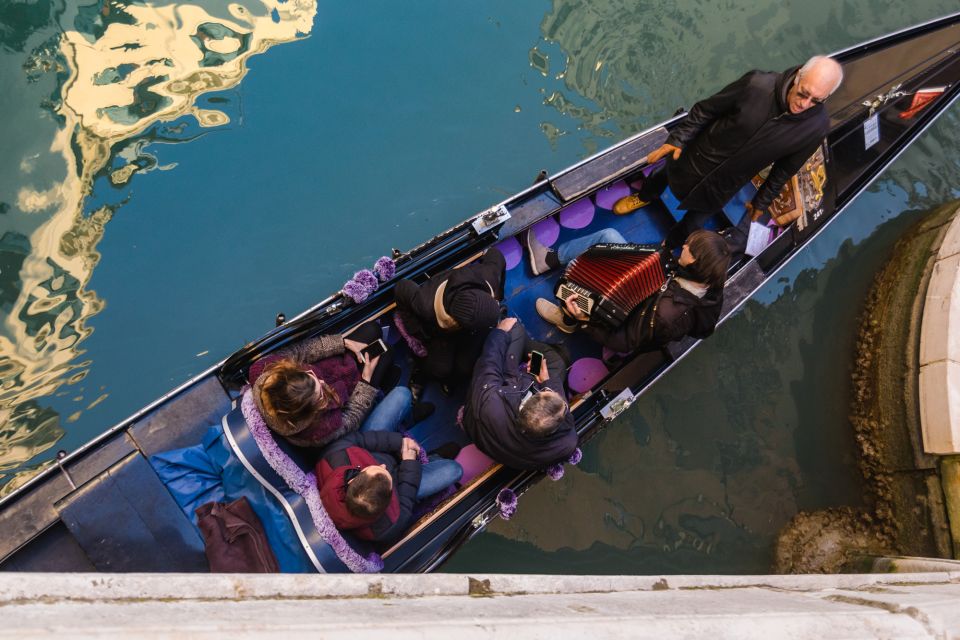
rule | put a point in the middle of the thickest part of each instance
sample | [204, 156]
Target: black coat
[416, 301]
[676, 313]
[493, 406]
[731, 136]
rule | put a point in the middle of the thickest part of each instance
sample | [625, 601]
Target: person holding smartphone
[519, 416]
[320, 389]
[370, 482]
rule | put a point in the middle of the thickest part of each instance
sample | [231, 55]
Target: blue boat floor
[648, 225]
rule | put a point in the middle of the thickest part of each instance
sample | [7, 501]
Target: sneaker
[554, 315]
[537, 253]
[628, 204]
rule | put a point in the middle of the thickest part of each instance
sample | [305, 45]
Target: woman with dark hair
[323, 388]
[688, 306]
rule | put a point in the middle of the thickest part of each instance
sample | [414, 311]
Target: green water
[176, 173]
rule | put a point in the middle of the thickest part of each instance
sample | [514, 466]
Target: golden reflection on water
[121, 66]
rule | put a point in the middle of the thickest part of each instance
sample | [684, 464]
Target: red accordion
[611, 280]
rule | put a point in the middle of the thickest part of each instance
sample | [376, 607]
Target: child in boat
[519, 418]
[370, 482]
[445, 319]
[323, 388]
[689, 306]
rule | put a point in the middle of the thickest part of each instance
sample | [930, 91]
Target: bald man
[761, 119]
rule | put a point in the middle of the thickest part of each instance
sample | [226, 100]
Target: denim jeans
[572, 248]
[392, 413]
[438, 474]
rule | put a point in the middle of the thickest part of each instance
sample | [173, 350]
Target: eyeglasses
[803, 95]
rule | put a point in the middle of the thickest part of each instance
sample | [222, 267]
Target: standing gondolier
[761, 119]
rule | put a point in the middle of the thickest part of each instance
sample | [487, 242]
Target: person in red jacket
[370, 482]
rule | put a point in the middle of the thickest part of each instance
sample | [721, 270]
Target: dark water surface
[176, 173]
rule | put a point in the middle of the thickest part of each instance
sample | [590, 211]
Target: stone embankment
[905, 409]
[917, 605]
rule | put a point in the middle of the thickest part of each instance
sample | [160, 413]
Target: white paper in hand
[758, 239]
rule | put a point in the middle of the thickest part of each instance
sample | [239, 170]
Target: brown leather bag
[234, 539]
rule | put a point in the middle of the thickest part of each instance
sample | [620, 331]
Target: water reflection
[620, 66]
[111, 77]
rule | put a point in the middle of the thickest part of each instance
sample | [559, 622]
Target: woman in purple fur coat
[323, 388]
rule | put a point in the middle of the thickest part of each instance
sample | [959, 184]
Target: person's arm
[313, 349]
[362, 399]
[636, 332]
[380, 441]
[706, 111]
[408, 483]
[488, 371]
[782, 170]
[358, 405]
[614, 339]
[495, 265]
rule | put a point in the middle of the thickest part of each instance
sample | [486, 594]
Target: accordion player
[611, 280]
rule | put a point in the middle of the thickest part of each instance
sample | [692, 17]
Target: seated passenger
[519, 418]
[445, 319]
[689, 306]
[370, 482]
[313, 392]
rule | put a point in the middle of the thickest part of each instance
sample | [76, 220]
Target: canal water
[176, 173]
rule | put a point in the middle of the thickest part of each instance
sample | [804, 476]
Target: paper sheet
[758, 239]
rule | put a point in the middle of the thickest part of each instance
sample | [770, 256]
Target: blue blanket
[209, 472]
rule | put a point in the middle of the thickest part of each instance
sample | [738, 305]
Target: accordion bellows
[611, 280]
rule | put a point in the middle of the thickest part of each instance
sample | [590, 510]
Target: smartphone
[536, 361]
[374, 349]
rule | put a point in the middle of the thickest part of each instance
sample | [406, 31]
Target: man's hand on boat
[409, 450]
[664, 150]
[506, 324]
[573, 310]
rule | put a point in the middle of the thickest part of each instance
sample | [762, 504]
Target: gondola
[125, 500]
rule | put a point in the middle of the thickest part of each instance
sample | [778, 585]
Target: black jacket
[676, 313]
[493, 407]
[731, 136]
[416, 301]
[385, 448]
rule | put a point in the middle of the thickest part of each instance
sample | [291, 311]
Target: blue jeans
[438, 474]
[572, 248]
[392, 413]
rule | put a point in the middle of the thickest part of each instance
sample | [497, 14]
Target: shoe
[422, 411]
[416, 383]
[628, 204]
[537, 253]
[554, 315]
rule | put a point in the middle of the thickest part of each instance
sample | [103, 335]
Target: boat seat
[126, 521]
[179, 424]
